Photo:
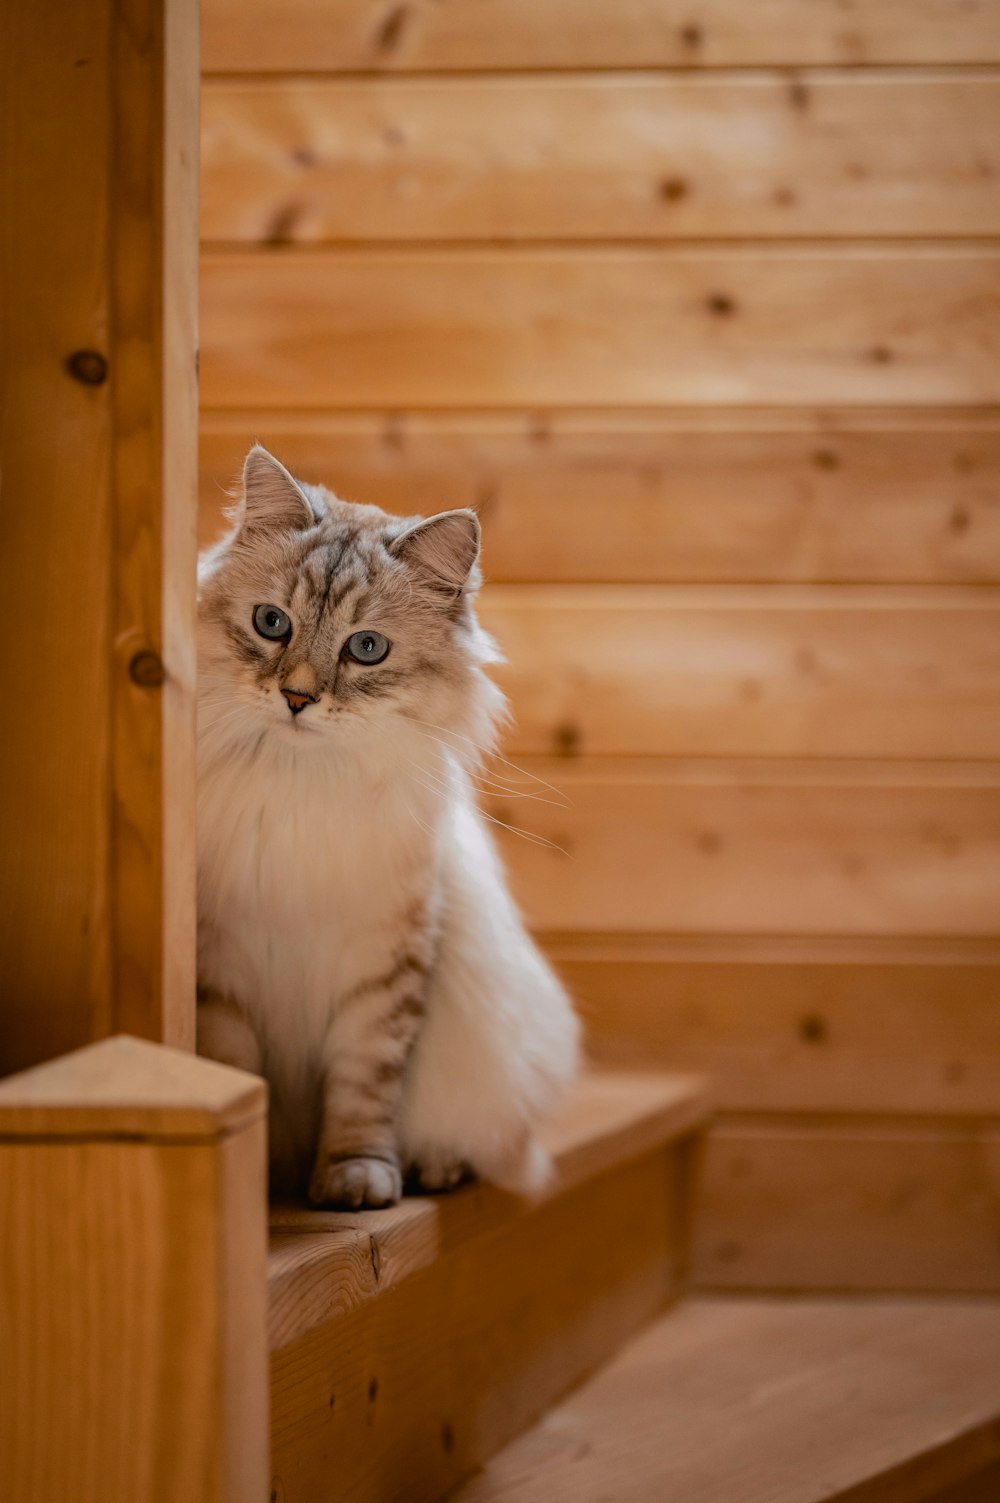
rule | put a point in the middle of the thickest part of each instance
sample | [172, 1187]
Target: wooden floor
[767, 1401]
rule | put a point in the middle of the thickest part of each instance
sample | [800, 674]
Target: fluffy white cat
[358, 945]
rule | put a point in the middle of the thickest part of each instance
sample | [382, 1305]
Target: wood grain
[129, 1088]
[518, 327]
[851, 1204]
[774, 1402]
[761, 848]
[363, 35]
[842, 496]
[751, 671]
[96, 819]
[153, 188]
[323, 1263]
[798, 1025]
[413, 1390]
[599, 157]
[133, 1279]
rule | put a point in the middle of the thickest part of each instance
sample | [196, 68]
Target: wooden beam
[97, 530]
[133, 1279]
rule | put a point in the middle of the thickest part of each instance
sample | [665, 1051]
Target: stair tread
[322, 1263]
[771, 1401]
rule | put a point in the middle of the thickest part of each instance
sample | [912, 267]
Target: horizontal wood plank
[904, 497]
[362, 35]
[521, 327]
[600, 157]
[750, 670]
[803, 1026]
[850, 1206]
[756, 848]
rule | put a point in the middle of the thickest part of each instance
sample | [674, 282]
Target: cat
[357, 943]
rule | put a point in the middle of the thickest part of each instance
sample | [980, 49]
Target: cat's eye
[367, 647]
[271, 622]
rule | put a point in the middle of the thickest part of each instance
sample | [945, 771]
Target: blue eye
[368, 647]
[272, 623]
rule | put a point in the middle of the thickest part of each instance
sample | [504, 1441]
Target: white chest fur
[306, 865]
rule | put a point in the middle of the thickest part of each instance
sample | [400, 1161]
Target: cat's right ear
[272, 500]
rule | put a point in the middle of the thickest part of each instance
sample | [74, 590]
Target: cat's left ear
[443, 548]
[272, 500]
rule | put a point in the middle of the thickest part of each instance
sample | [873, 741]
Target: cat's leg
[226, 1034]
[365, 1057]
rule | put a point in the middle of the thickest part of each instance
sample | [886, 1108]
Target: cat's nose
[297, 701]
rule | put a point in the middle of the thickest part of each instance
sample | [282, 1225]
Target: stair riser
[410, 1392]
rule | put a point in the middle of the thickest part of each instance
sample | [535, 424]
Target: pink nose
[297, 701]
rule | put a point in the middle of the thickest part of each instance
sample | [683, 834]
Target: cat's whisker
[494, 756]
[528, 835]
[504, 785]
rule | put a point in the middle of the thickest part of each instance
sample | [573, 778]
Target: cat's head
[322, 621]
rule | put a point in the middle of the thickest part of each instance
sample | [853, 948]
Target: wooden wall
[699, 305]
[98, 414]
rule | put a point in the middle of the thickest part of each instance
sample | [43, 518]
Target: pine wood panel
[750, 671]
[850, 1205]
[519, 327]
[774, 1402]
[132, 1271]
[756, 848]
[798, 1025]
[898, 496]
[310, 35]
[99, 408]
[597, 157]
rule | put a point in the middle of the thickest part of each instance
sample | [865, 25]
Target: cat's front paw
[355, 1183]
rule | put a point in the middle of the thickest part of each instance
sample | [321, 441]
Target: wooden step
[769, 1401]
[409, 1345]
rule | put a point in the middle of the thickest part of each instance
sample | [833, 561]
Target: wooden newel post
[133, 1342]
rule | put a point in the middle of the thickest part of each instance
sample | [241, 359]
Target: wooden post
[98, 409]
[133, 1343]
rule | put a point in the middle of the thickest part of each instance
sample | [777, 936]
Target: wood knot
[692, 37]
[146, 669]
[88, 367]
[673, 188]
[567, 739]
[721, 304]
[390, 33]
[826, 459]
[813, 1029]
